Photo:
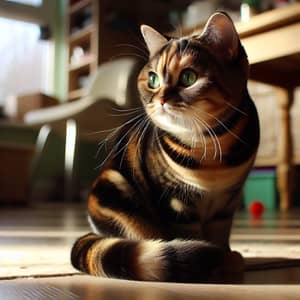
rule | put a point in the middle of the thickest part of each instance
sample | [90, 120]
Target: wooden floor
[35, 246]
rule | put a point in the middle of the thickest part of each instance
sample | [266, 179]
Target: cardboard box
[30, 102]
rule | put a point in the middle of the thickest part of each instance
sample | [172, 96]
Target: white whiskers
[236, 108]
[137, 120]
[224, 126]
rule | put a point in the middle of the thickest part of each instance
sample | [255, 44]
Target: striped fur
[162, 206]
[149, 260]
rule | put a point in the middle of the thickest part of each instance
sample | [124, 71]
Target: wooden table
[272, 41]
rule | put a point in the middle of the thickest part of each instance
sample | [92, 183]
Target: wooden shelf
[82, 34]
[85, 63]
[74, 8]
[75, 94]
[266, 162]
[269, 20]
[85, 37]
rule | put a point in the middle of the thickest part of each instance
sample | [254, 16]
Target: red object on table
[256, 209]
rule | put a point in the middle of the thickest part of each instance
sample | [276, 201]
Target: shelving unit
[101, 30]
[83, 44]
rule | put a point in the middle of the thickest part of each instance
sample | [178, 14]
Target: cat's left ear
[221, 36]
[154, 40]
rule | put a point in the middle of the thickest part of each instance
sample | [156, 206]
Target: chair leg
[70, 152]
[41, 140]
[39, 146]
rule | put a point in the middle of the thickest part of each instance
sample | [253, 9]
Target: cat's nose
[162, 101]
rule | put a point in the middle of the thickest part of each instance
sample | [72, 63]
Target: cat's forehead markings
[172, 50]
[178, 63]
[173, 64]
[183, 58]
[186, 60]
[177, 55]
[183, 44]
[167, 54]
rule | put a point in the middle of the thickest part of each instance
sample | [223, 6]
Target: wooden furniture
[34, 101]
[15, 169]
[89, 22]
[83, 42]
[271, 41]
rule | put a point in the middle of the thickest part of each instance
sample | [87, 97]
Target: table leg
[70, 152]
[285, 150]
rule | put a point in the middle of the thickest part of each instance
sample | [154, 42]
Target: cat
[162, 207]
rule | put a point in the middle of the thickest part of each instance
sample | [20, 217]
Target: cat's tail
[149, 260]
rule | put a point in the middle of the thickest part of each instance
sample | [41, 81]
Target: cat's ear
[154, 40]
[221, 36]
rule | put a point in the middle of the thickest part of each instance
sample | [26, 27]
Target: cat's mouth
[171, 120]
[167, 110]
[168, 114]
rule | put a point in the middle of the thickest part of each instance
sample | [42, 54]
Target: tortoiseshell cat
[167, 215]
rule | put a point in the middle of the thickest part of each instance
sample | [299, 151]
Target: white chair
[112, 85]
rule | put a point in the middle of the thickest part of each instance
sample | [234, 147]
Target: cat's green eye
[187, 77]
[153, 80]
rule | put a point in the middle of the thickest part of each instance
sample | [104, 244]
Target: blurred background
[64, 64]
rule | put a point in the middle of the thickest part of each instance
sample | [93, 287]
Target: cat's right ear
[221, 36]
[154, 40]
